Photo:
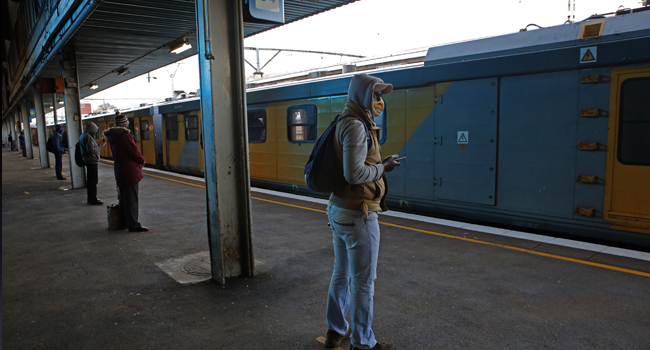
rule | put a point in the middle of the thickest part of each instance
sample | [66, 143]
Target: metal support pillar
[54, 107]
[72, 111]
[10, 123]
[16, 117]
[223, 107]
[41, 126]
[24, 107]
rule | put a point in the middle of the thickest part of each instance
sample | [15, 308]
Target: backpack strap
[368, 139]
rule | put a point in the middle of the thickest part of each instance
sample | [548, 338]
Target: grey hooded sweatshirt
[362, 166]
[89, 148]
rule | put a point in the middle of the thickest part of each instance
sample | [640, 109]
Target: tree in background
[104, 107]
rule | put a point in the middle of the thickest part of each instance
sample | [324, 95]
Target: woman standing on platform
[128, 170]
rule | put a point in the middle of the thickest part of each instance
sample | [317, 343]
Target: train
[541, 130]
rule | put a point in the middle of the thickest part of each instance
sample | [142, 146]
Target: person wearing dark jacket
[11, 142]
[90, 155]
[22, 143]
[58, 152]
[128, 163]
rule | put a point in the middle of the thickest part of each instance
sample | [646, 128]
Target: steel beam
[41, 126]
[24, 107]
[72, 111]
[223, 110]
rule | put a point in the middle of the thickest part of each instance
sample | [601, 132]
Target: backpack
[324, 171]
[49, 145]
[78, 159]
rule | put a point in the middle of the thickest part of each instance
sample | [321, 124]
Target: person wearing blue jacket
[22, 143]
[57, 141]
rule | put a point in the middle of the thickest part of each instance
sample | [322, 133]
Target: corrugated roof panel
[134, 34]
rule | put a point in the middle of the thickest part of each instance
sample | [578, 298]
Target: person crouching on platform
[128, 170]
[90, 155]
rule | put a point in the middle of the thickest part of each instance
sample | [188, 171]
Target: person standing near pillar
[11, 142]
[90, 155]
[58, 151]
[128, 163]
[22, 143]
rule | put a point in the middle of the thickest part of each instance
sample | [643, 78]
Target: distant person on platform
[57, 142]
[64, 139]
[90, 154]
[128, 170]
[22, 143]
[11, 142]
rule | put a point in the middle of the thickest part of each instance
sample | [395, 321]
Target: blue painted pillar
[40, 126]
[220, 35]
[72, 111]
[24, 108]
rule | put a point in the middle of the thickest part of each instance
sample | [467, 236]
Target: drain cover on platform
[193, 268]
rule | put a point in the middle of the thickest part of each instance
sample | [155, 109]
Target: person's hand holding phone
[391, 162]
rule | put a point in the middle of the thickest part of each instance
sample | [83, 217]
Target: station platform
[70, 283]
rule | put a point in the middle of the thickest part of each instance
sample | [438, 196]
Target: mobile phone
[401, 158]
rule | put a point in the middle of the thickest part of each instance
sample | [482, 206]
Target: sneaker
[138, 229]
[334, 339]
[96, 202]
[378, 346]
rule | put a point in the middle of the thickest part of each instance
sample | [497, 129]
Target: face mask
[378, 107]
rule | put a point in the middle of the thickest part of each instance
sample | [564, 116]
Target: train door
[135, 131]
[190, 157]
[627, 189]
[173, 143]
[465, 142]
[109, 154]
[147, 140]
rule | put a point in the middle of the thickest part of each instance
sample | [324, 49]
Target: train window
[301, 124]
[171, 126]
[257, 125]
[136, 132]
[634, 122]
[144, 129]
[192, 128]
[381, 124]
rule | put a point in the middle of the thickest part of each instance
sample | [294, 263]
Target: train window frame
[144, 130]
[626, 144]
[256, 115]
[311, 134]
[136, 132]
[383, 127]
[171, 134]
[189, 132]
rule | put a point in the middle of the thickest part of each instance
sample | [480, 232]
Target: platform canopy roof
[116, 35]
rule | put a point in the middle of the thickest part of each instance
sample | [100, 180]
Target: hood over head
[91, 128]
[59, 128]
[362, 88]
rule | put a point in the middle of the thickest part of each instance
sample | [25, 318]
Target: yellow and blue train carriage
[553, 136]
[546, 130]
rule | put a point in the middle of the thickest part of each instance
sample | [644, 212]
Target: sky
[368, 28]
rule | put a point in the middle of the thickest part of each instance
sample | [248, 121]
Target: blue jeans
[356, 247]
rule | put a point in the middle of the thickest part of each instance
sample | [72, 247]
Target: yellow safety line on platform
[449, 236]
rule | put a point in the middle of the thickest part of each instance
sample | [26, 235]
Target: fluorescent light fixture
[93, 86]
[123, 71]
[60, 102]
[179, 46]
